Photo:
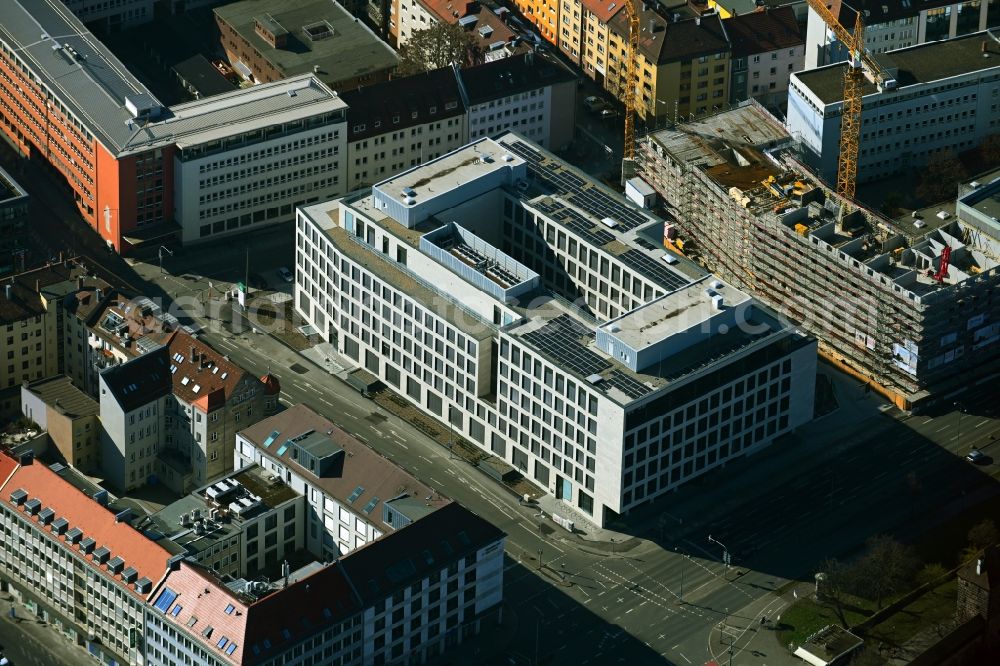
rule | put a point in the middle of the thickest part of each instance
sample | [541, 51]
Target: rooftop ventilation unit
[129, 575]
[60, 525]
[609, 222]
[18, 497]
[102, 554]
[143, 585]
[595, 379]
[116, 565]
[33, 506]
[46, 516]
[87, 545]
[74, 535]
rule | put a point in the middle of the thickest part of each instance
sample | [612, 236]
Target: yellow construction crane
[850, 118]
[631, 78]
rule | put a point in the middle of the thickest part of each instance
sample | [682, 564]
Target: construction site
[908, 306]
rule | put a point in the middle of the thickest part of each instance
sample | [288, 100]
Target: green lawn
[806, 616]
[931, 609]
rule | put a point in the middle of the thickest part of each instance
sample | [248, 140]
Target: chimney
[98, 293]
[8, 291]
[697, 20]
[193, 356]
[285, 572]
[652, 25]
[28, 458]
[38, 286]
[979, 567]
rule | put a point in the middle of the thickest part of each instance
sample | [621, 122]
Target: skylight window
[176, 610]
[222, 642]
[231, 649]
[270, 438]
[196, 388]
[356, 494]
[371, 505]
[287, 634]
[229, 609]
[224, 375]
[165, 599]
[185, 381]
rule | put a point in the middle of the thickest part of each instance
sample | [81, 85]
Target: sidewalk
[29, 641]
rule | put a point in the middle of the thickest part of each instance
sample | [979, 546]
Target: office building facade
[449, 282]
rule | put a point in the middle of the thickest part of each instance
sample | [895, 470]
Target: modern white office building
[941, 96]
[897, 24]
[512, 297]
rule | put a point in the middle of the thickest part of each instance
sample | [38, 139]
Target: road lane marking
[980, 424]
[685, 658]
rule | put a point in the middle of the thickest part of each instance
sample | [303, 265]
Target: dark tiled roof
[402, 103]
[140, 380]
[511, 76]
[360, 467]
[761, 32]
[880, 11]
[415, 551]
[673, 41]
[25, 288]
[59, 392]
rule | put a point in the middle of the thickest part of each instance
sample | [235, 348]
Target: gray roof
[59, 392]
[352, 50]
[921, 64]
[239, 111]
[75, 67]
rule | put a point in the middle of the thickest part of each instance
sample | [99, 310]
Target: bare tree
[836, 586]
[941, 177]
[886, 568]
[437, 46]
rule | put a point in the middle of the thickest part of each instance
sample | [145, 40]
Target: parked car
[609, 113]
[977, 457]
[594, 103]
[285, 274]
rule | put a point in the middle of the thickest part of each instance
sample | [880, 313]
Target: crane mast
[854, 77]
[631, 79]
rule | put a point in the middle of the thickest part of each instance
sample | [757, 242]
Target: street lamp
[725, 551]
[677, 550]
[959, 408]
[539, 558]
[159, 253]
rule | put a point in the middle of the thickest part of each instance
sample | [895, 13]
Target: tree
[437, 46]
[983, 534]
[930, 573]
[890, 206]
[886, 568]
[989, 151]
[941, 177]
[836, 586]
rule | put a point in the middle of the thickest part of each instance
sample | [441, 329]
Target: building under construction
[909, 305]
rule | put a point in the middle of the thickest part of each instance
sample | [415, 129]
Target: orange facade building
[66, 99]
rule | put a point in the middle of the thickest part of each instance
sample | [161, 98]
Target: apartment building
[904, 305]
[32, 316]
[394, 125]
[767, 47]
[133, 399]
[683, 64]
[528, 95]
[493, 38]
[354, 495]
[69, 416]
[544, 15]
[213, 398]
[242, 524]
[897, 24]
[78, 564]
[730, 8]
[405, 598]
[13, 224]
[264, 42]
[940, 96]
[449, 282]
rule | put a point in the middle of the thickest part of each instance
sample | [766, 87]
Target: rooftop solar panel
[649, 268]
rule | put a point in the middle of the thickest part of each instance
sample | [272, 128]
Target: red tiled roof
[604, 9]
[302, 608]
[271, 384]
[94, 520]
[201, 597]
[7, 467]
[210, 372]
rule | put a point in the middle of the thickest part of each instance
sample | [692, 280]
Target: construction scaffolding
[871, 291]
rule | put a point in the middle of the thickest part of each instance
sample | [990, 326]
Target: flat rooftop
[244, 110]
[916, 65]
[58, 392]
[674, 313]
[9, 189]
[86, 77]
[342, 48]
[470, 162]
[566, 337]
[986, 198]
